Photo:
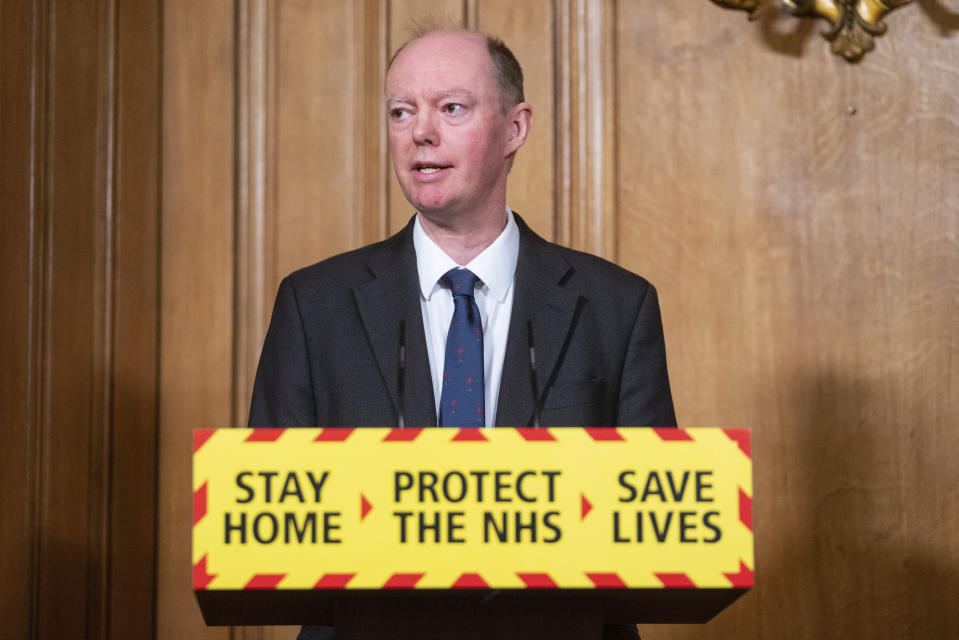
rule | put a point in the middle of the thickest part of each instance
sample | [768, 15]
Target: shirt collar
[495, 266]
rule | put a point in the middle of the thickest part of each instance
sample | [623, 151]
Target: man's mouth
[427, 169]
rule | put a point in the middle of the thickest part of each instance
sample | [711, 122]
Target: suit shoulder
[583, 271]
[592, 272]
[345, 270]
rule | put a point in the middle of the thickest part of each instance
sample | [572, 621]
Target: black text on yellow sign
[574, 503]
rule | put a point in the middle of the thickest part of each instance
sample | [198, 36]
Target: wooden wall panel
[197, 313]
[255, 191]
[371, 162]
[585, 141]
[800, 217]
[315, 215]
[22, 60]
[72, 487]
[312, 150]
[79, 178]
[135, 322]
[528, 29]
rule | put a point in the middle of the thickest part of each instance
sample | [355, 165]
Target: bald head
[503, 66]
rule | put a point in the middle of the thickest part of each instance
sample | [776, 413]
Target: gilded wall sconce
[853, 24]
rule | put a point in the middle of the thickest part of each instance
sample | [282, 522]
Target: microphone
[534, 379]
[401, 379]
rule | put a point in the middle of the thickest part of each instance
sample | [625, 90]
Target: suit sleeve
[283, 389]
[644, 396]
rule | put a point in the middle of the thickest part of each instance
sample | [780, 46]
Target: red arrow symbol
[585, 506]
[365, 507]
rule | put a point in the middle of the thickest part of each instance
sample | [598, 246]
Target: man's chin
[438, 208]
[425, 200]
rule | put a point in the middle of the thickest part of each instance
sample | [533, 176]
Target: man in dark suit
[364, 338]
[332, 354]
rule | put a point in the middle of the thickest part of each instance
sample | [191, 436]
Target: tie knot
[460, 281]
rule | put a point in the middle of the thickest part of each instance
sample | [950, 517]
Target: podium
[461, 533]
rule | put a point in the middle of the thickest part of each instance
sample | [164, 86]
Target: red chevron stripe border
[265, 435]
[199, 503]
[676, 581]
[670, 434]
[334, 435]
[745, 509]
[334, 581]
[470, 581]
[537, 581]
[402, 435]
[743, 579]
[200, 436]
[606, 580]
[604, 434]
[403, 580]
[265, 581]
[530, 434]
[742, 438]
[469, 435]
[201, 577]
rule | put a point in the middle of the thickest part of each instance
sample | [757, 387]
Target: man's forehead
[465, 42]
[433, 94]
[442, 51]
[442, 64]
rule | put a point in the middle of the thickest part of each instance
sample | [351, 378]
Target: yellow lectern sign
[472, 508]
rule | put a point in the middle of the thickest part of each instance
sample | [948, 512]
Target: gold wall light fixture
[853, 24]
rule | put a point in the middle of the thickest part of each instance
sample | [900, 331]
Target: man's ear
[520, 120]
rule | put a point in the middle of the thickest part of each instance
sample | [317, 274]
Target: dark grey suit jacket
[331, 355]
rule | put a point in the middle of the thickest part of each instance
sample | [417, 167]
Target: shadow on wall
[865, 558]
[785, 34]
[946, 19]
[849, 543]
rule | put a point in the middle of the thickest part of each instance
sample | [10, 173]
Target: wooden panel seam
[39, 303]
[254, 173]
[371, 155]
[98, 543]
[585, 138]
[135, 307]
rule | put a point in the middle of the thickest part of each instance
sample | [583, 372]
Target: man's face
[449, 139]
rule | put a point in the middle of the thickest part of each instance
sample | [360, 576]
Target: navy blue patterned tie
[463, 401]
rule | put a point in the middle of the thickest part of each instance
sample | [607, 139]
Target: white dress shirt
[495, 268]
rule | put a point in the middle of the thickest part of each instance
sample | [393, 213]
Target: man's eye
[452, 108]
[398, 114]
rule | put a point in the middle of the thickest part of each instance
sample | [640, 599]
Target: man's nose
[424, 130]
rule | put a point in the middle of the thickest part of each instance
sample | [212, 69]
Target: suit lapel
[542, 303]
[392, 295]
